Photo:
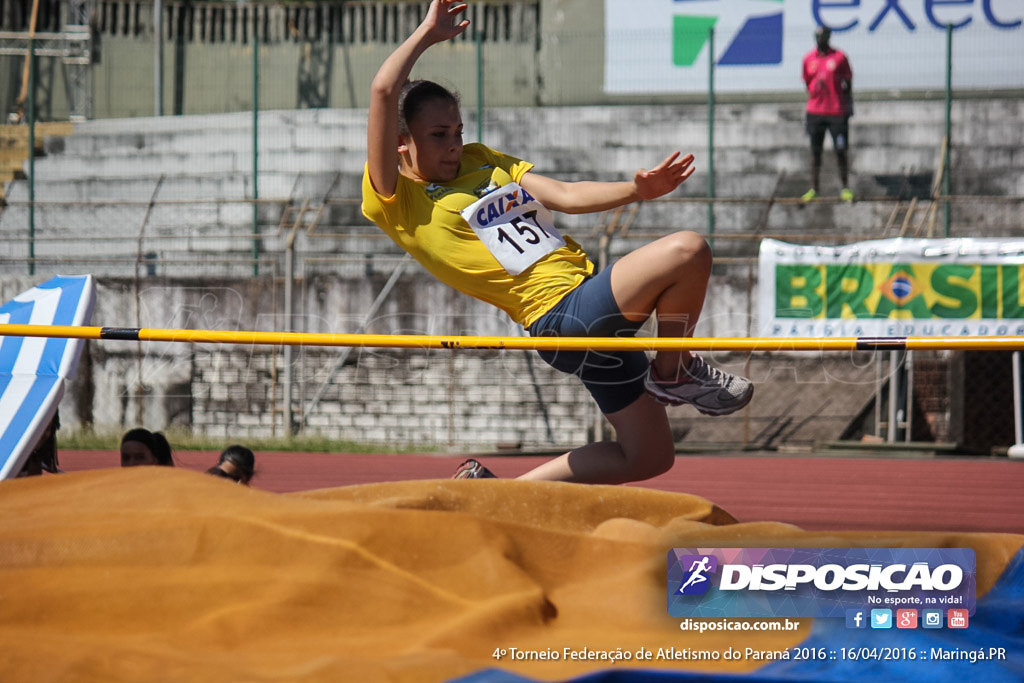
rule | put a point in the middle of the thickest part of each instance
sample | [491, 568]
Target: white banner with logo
[662, 46]
[892, 288]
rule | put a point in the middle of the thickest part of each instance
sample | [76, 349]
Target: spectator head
[821, 36]
[143, 447]
[237, 463]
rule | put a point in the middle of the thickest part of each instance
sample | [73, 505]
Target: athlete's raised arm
[588, 196]
[440, 24]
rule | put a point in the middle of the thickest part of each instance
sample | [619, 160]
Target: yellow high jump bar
[417, 341]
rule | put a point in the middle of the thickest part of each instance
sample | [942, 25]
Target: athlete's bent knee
[653, 462]
[689, 248]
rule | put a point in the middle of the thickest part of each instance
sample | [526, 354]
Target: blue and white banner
[34, 370]
[663, 46]
[818, 582]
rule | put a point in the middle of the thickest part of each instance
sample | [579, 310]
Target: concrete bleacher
[178, 187]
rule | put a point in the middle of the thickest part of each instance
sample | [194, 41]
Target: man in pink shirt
[829, 82]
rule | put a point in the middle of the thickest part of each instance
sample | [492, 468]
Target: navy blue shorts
[614, 378]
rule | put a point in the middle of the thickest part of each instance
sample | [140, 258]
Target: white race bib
[516, 228]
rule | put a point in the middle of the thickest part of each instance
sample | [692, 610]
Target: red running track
[943, 493]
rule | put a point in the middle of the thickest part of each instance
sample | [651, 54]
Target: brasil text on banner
[894, 287]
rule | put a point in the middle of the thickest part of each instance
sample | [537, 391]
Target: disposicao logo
[757, 41]
[818, 582]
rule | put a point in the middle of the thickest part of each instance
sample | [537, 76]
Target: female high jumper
[481, 221]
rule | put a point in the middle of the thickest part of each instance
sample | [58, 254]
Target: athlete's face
[134, 453]
[432, 150]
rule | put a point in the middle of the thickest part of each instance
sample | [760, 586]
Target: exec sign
[846, 15]
[664, 45]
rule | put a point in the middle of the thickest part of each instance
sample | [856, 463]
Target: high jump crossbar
[469, 342]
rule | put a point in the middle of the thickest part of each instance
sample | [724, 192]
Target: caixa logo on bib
[816, 582]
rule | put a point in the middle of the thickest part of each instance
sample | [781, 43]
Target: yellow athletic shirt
[425, 220]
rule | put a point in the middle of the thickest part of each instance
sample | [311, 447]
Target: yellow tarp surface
[154, 574]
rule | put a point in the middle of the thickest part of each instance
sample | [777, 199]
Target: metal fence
[253, 192]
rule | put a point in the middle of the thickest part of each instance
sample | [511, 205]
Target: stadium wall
[518, 53]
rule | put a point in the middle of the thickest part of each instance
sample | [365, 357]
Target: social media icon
[881, 618]
[931, 618]
[958, 618]
[856, 618]
[906, 618]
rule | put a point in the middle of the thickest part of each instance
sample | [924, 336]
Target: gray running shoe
[472, 469]
[706, 388]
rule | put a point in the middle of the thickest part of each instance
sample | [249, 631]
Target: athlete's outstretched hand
[442, 20]
[663, 178]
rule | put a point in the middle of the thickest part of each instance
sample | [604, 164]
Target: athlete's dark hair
[241, 457]
[154, 441]
[414, 95]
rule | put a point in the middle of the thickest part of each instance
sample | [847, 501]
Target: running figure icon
[697, 571]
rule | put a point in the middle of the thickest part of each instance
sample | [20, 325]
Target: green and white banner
[892, 288]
